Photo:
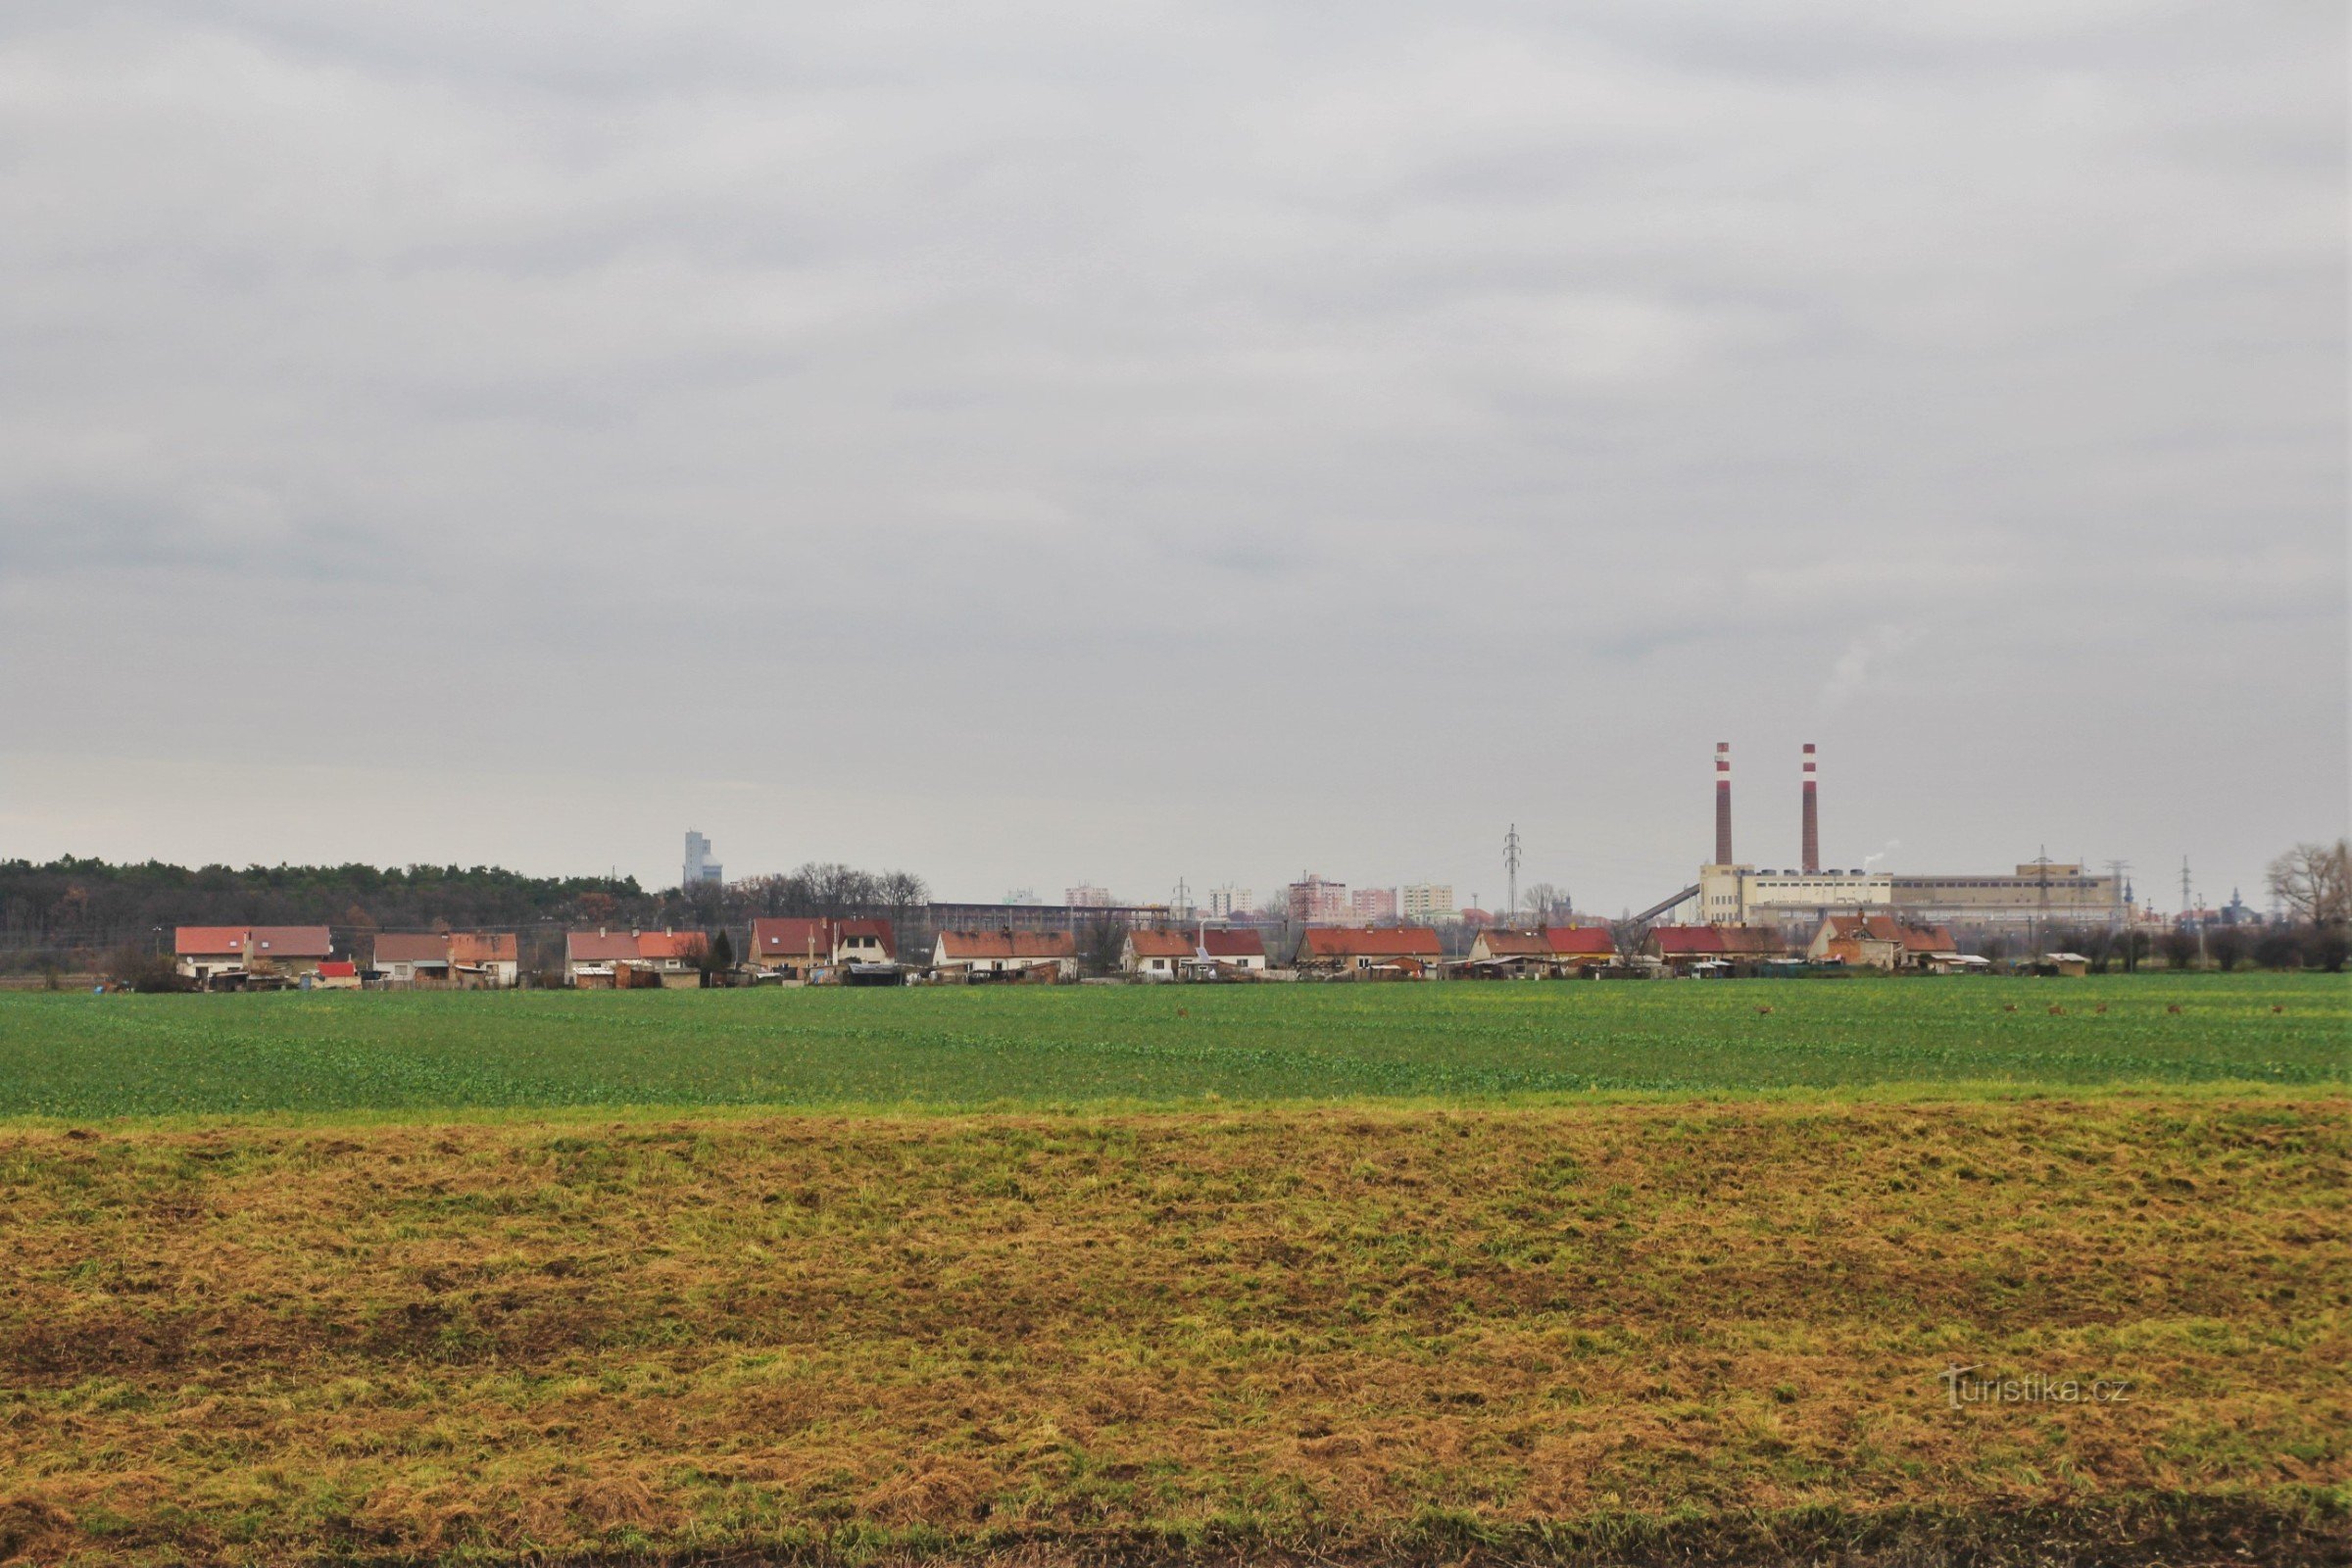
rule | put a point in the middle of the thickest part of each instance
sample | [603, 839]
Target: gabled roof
[1371, 942]
[410, 947]
[1717, 942]
[483, 946]
[599, 947]
[671, 945]
[265, 940]
[1162, 944]
[292, 941]
[339, 969]
[803, 936]
[1887, 928]
[1501, 944]
[1581, 941]
[1231, 941]
[869, 926]
[956, 947]
[1751, 941]
[199, 940]
[790, 936]
[1687, 941]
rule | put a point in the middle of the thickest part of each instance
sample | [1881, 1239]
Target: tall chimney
[1723, 802]
[1812, 841]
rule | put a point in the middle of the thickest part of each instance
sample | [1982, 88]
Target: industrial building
[2040, 894]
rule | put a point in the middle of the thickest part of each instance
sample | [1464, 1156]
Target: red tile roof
[870, 926]
[1581, 941]
[1232, 942]
[1687, 941]
[1162, 944]
[791, 937]
[1717, 942]
[775, 937]
[1501, 944]
[266, 941]
[204, 941]
[408, 947]
[1371, 942]
[957, 946]
[599, 947]
[339, 969]
[483, 946]
[1887, 928]
[687, 945]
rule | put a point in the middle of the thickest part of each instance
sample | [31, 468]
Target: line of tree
[76, 905]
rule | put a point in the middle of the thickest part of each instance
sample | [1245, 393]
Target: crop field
[1889, 1274]
[84, 1056]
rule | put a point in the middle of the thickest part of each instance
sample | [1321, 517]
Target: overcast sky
[1040, 443]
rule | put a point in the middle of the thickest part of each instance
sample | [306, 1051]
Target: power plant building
[1743, 894]
[2041, 893]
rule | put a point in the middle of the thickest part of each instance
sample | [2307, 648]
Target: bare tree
[2179, 947]
[2314, 881]
[2227, 946]
[1546, 904]
[1629, 936]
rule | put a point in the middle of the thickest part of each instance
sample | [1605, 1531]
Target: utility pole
[2189, 911]
[1510, 864]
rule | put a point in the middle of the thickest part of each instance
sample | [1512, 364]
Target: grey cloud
[1195, 406]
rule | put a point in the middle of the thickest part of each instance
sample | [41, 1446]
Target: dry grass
[1347, 1333]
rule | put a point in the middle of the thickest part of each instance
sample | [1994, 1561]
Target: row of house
[1855, 941]
[804, 950]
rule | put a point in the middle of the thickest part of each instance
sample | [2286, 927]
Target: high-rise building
[1315, 902]
[700, 868]
[1373, 906]
[1426, 901]
[1227, 902]
[1088, 897]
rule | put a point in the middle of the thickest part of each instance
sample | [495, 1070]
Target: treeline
[75, 913]
[77, 906]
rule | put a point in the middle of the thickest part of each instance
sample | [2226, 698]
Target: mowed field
[86, 1056]
[1303, 1274]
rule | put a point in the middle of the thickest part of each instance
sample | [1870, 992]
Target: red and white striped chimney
[1723, 802]
[1812, 840]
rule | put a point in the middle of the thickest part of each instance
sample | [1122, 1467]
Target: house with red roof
[625, 960]
[797, 948]
[1210, 953]
[1714, 948]
[232, 955]
[973, 957]
[1369, 953]
[1555, 951]
[1884, 942]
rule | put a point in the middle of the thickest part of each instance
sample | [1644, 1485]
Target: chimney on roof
[1723, 802]
[1811, 858]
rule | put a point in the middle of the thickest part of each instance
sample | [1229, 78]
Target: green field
[1373, 1275]
[87, 1056]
